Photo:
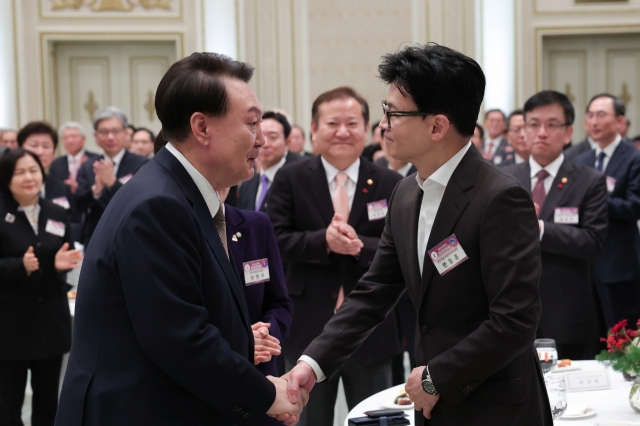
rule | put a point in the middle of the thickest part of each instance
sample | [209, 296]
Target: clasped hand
[265, 345]
[342, 238]
[103, 170]
[299, 382]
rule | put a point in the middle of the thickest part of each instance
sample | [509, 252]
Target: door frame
[49, 107]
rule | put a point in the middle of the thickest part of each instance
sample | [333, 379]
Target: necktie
[539, 194]
[221, 226]
[341, 206]
[73, 167]
[487, 150]
[601, 160]
[264, 180]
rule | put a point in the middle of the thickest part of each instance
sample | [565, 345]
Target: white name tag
[9, 218]
[256, 271]
[566, 215]
[125, 179]
[55, 228]
[586, 381]
[377, 210]
[447, 255]
[497, 160]
[611, 184]
[62, 202]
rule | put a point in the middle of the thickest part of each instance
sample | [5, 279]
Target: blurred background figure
[142, 144]
[9, 138]
[516, 137]
[373, 151]
[297, 139]
[35, 323]
[478, 138]
[494, 144]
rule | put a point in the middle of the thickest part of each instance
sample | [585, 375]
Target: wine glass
[547, 355]
[557, 398]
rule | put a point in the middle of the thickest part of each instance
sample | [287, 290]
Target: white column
[8, 83]
[220, 22]
[497, 53]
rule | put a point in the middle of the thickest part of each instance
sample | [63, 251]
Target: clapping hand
[103, 169]
[422, 400]
[73, 184]
[30, 261]
[283, 408]
[67, 259]
[265, 345]
[342, 238]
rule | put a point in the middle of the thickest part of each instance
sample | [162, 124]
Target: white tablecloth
[609, 404]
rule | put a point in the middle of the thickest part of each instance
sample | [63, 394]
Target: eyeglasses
[389, 114]
[552, 127]
[105, 132]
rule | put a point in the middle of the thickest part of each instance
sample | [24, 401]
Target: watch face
[428, 387]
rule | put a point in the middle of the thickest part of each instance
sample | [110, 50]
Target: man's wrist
[427, 382]
[320, 376]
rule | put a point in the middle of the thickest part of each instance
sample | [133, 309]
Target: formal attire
[476, 322]
[301, 208]
[254, 193]
[496, 149]
[35, 324]
[250, 237]
[405, 171]
[162, 333]
[511, 159]
[568, 247]
[586, 145]
[126, 165]
[617, 269]
[69, 165]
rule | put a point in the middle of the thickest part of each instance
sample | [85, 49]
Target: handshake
[292, 393]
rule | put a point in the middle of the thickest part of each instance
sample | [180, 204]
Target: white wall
[220, 32]
[8, 100]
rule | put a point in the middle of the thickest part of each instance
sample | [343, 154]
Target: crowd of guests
[314, 220]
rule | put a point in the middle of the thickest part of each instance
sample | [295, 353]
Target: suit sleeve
[12, 268]
[627, 208]
[583, 242]
[295, 246]
[84, 195]
[200, 359]
[511, 267]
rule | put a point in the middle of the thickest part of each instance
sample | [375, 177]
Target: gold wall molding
[624, 95]
[91, 106]
[120, 9]
[614, 7]
[150, 105]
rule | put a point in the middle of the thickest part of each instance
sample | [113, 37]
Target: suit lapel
[558, 190]
[616, 159]
[319, 189]
[362, 197]
[522, 173]
[410, 215]
[236, 224]
[251, 188]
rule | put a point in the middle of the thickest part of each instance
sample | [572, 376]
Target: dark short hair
[286, 127]
[486, 114]
[438, 80]
[297, 126]
[8, 167]
[343, 92]
[374, 126]
[132, 127]
[159, 142]
[144, 129]
[550, 97]
[513, 114]
[619, 108]
[37, 128]
[196, 84]
[481, 130]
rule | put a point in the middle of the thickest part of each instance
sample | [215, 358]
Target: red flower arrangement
[623, 348]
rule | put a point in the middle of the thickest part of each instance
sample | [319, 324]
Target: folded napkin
[576, 410]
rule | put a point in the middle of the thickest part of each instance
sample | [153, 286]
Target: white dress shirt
[519, 159]
[495, 143]
[271, 174]
[350, 184]
[77, 158]
[552, 168]
[402, 170]
[593, 143]
[208, 193]
[608, 152]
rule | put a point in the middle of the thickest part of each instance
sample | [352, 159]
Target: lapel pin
[560, 185]
[234, 238]
[369, 181]
[365, 191]
[565, 180]
[9, 218]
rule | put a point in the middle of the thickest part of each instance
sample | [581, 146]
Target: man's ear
[439, 127]
[200, 127]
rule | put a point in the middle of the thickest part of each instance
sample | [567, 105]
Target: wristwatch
[427, 383]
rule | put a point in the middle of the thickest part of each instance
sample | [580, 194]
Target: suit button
[425, 328]
[474, 385]
[465, 390]
[246, 415]
[235, 408]
[334, 295]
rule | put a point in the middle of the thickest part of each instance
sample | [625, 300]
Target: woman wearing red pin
[35, 324]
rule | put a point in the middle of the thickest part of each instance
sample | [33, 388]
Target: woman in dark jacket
[35, 323]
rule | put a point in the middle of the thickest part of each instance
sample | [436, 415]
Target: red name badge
[447, 255]
[256, 271]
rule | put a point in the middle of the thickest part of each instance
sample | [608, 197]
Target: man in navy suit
[99, 180]
[162, 333]
[66, 167]
[617, 269]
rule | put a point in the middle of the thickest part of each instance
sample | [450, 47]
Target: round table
[610, 404]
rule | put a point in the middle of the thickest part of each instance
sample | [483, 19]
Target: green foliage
[624, 362]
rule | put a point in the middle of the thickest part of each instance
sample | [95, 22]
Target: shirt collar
[208, 193]
[443, 174]
[592, 143]
[519, 159]
[552, 168]
[118, 158]
[608, 150]
[271, 171]
[351, 171]
[403, 170]
[78, 156]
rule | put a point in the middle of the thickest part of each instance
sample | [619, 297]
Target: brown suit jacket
[477, 323]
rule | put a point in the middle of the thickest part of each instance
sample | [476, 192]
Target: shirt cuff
[541, 222]
[314, 365]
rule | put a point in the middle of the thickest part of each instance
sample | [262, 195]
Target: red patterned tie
[539, 194]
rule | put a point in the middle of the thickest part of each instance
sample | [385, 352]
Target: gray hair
[109, 112]
[72, 125]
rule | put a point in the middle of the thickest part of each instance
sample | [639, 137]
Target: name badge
[497, 160]
[9, 218]
[256, 271]
[447, 255]
[125, 179]
[611, 184]
[586, 381]
[62, 202]
[55, 228]
[377, 210]
[566, 215]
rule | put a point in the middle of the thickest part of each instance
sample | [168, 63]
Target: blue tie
[601, 160]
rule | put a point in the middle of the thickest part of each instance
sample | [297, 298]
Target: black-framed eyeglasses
[389, 114]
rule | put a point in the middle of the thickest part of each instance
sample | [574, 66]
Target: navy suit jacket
[60, 166]
[162, 333]
[93, 208]
[620, 258]
[250, 237]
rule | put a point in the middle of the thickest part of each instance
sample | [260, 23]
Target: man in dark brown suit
[464, 243]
